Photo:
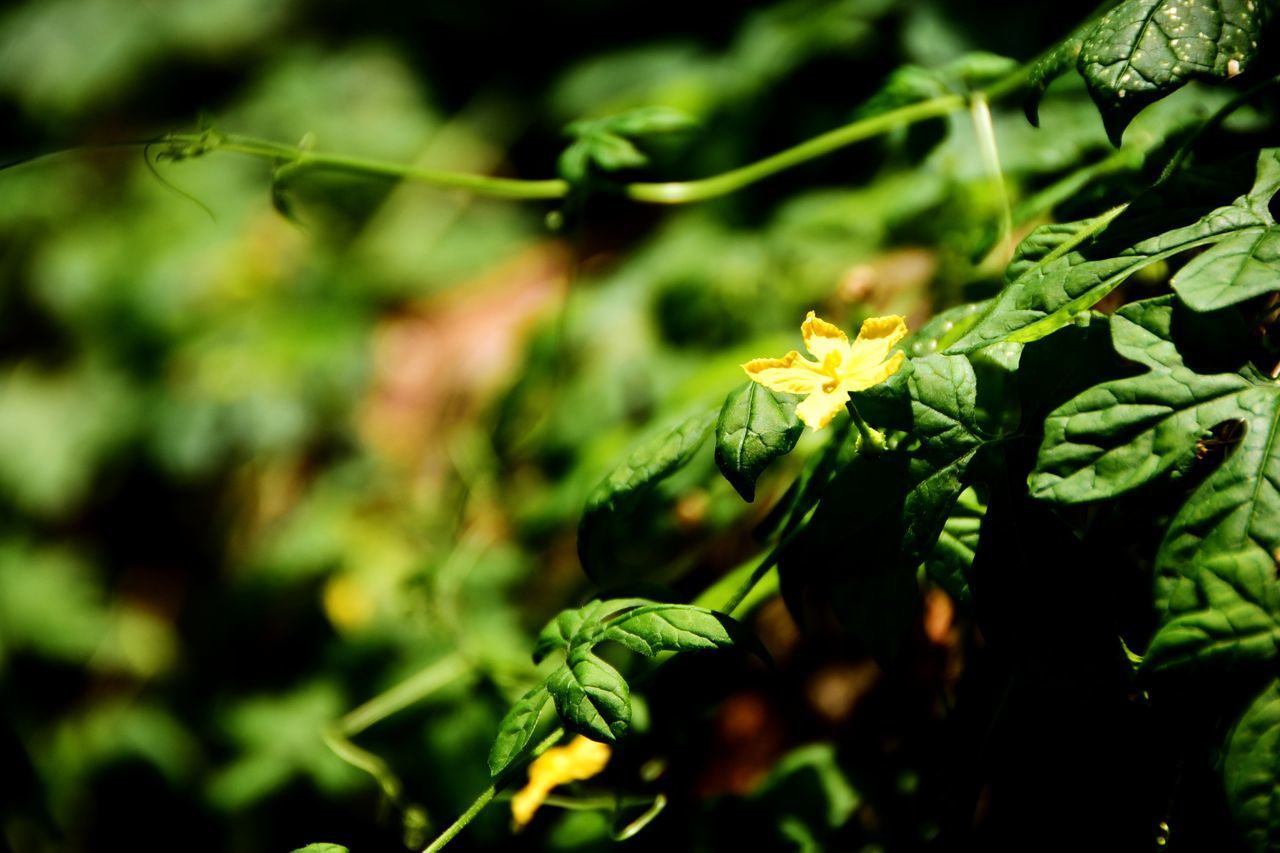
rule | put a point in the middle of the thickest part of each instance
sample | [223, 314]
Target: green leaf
[1121, 434]
[1063, 270]
[591, 697]
[949, 562]
[755, 427]
[1251, 771]
[670, 628]
[1240, 268]
[561, 631]
[322, 847]
[517, 728]
[1050, 66]
[944, 329]
[650, 121]
[1143, 50]
[610, 504]
[1216, 566]
[607, 143]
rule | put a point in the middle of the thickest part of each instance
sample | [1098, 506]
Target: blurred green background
[264, 456]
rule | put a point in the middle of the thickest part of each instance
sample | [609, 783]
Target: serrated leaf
[591, 697]
[1067, 269]
[1143, 50]
[1120, 435]
[1251, 771]
[517, 728]
[610, 503]
[669, 628]
[1216, 583]
[755, 427]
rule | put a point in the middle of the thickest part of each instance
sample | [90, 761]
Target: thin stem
[980, 113]
[300, 160]
[337, 736]
[872, 438]
[703, 189]
[487, 795]
[294, 159]
[448, 670]
[757, 574]
[363, 759]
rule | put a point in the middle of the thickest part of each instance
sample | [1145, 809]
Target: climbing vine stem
[290, 160]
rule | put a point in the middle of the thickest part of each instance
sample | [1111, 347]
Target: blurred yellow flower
[580, 759]
[841, 367]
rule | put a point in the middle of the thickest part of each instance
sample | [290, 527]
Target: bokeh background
[264, 455]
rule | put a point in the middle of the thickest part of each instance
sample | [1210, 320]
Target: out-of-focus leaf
[280, 737]
[611, 502]
[609, 144]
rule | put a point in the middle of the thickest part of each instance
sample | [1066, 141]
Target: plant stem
[487, 795]
[445, 671]
[757, 574]
[980, 113]
[703, 189]
[292, 159]
[872, 438]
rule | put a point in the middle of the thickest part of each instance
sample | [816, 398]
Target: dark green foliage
[1142, 50]
[590, 696]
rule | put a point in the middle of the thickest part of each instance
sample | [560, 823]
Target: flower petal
[820, 407]
[791, 374]
[580, 759]
[876, 338]
[822, 338]
[872, 374]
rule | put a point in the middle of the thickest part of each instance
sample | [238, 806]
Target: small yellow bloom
[581, 759]
[841, 367]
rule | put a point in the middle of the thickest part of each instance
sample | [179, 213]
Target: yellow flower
[841, 367]
[581, 759]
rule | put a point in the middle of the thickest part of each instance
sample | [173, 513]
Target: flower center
[831, 367]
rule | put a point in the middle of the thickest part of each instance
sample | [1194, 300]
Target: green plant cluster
[324, 516]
